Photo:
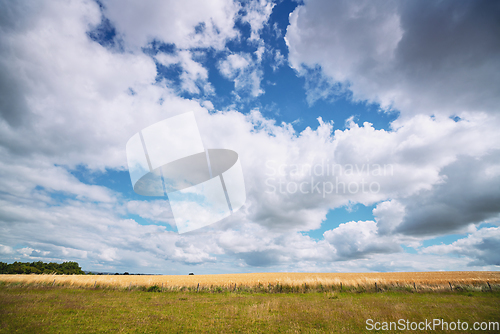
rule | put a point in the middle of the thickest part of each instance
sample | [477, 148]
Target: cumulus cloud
[25, 179]
[355, 240]
[93, 233]
[482, 247]
[293, 179]
[256, 15]
[156, 210]
[63, 75]
[193, 77]
[70, 101]
[388, 215]
[469, 195]
[244, 71]
[279, 60]
[5, 250]
[411, 56]
[187, 24]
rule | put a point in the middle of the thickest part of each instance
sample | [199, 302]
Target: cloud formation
[409, 56]
[70, 101]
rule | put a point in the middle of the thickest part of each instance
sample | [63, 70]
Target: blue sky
[356, 85]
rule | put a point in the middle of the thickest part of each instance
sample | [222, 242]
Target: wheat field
[271, 281]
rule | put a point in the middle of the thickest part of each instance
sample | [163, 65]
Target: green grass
[69, 310]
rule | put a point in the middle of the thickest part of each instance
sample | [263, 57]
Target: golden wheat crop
[422, 280]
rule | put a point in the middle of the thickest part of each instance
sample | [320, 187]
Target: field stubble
[274, 282]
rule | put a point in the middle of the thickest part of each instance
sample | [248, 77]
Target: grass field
[245, 303]
[71, 310]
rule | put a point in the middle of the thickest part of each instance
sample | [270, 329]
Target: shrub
[154, 288]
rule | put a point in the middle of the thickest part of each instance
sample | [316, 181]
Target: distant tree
[39, 267]
[3, 267]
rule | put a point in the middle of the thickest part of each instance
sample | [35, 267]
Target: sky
[367, 132]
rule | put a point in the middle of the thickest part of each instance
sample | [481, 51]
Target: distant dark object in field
[154, 288]
[125, 273]
[191, 274]
[117, 274]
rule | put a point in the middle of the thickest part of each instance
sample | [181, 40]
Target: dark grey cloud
[14, 17]
[437, 57]
[489, 249]
[470, 194]
[359, 240]
[448, 54]
[261, 258]
[13, 106]
[481, 248]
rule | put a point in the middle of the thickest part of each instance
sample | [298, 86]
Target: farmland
[260, 303]
[261, 282]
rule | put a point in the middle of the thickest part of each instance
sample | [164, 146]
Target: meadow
[260, 303]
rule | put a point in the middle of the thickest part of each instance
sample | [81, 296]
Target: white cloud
[407, 55]
[93, 234]
[244, 71]
[468, 195]
[158, 210]
[354, 240]
[23, 179]
[5, 250]
[279, 60]
[233, 64]
[414, 154]
[63, 76]
[208, 105]
[193, 75]
[481, 247]
[167, 59]
[174, 22]
[257, 14]
[74, 102]
[388, 215]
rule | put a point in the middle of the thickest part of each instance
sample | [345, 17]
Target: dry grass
[273, 281]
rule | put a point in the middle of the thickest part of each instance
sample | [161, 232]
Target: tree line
[39, 267]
